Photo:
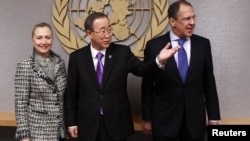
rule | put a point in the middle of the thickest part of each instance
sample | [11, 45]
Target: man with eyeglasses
[177, 97]
[97, 105]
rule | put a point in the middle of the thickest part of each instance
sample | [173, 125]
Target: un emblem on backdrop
[133, 22]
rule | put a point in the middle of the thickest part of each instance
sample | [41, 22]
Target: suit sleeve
[22, 92]
[147, 87]
[71, 95]
[212, 101]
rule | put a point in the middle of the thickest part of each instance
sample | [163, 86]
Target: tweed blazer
[39, 100]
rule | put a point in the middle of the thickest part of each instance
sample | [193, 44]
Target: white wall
[225, 23]
[17, 18]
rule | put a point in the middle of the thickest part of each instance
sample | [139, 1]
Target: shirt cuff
[213, 120]
[160, 66]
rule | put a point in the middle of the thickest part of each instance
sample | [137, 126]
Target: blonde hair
[42, 24]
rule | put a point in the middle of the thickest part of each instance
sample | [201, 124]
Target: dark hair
[88, 24]
[42, 24]
[175, 7]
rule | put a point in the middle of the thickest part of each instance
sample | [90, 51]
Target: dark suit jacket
[166, 99]
[85, 97]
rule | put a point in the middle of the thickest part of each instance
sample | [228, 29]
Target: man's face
[101, 36]
[183, 26]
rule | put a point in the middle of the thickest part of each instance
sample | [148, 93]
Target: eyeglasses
[187, 19]
[104, 31]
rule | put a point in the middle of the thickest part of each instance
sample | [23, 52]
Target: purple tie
[99, 72]
[99, 68]
[182, 60]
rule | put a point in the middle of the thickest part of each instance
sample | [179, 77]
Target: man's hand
[147, 128]
[73, 131]
[166, 53]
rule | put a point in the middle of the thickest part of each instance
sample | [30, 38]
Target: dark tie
[99, 68]
[182, 60]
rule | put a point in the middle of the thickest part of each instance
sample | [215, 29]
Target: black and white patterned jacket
[39, 99]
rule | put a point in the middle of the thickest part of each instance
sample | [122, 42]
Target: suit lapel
[171, 65]
[109, 62]
[194, 54]
[89, 64]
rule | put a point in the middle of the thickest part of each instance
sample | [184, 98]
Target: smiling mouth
[44, 47]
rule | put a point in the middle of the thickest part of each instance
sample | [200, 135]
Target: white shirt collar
[94, 51]
[174, 37]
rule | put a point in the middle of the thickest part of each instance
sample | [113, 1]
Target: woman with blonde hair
[40, 83]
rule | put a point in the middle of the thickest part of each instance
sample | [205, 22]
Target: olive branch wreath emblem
[71, 42]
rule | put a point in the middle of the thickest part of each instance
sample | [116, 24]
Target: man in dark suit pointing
[177, 97]
[98, 109]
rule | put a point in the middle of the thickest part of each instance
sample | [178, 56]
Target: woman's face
[42, 40]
